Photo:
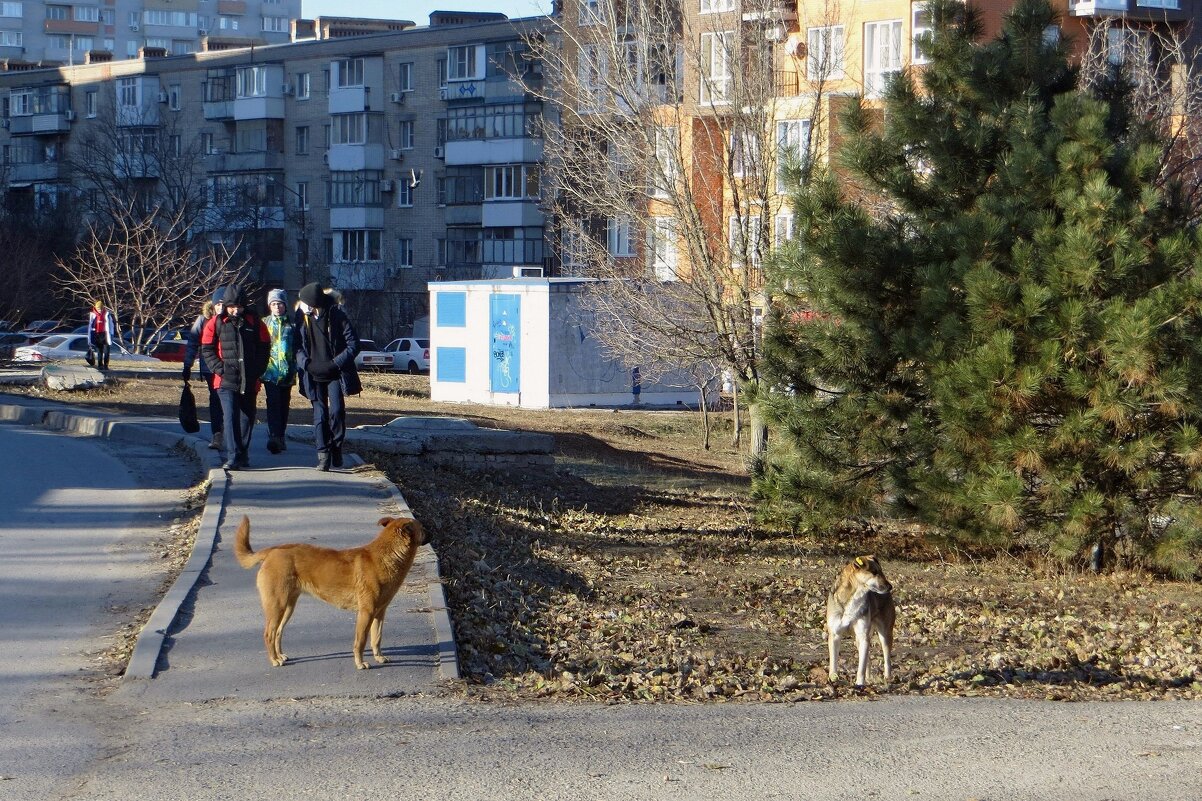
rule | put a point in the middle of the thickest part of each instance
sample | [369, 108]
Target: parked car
[57, 347]
[9, 343]
[43, 327]
[169, 350]
[370, 357]
[409, 354]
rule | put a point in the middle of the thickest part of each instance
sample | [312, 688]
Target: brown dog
[364, 579]
[862, 601]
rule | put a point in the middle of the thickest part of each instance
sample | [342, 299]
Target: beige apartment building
[378, 162]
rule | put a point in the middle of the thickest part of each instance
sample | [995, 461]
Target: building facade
[377, 162]
[40, 33]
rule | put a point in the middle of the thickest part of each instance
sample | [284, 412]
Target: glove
[325, 371]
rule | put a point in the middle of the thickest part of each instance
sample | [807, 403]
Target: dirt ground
[638, 572]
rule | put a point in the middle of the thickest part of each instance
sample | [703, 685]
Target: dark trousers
[329, 415]
[216, 413]
[101, 345]
[239, 411]
[279, 398]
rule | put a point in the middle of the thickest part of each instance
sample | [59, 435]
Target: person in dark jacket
[191, 356]
[325, 363]
[235, 346]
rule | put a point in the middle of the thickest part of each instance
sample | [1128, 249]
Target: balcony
[29, 172]
[1167, 10]
[70, 26]
[37, 124]
[773, 11]
[253, 161]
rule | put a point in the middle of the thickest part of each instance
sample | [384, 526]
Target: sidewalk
[205, 639]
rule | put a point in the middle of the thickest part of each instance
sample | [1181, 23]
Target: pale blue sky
[419, 10]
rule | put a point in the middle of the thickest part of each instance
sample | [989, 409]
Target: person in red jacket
[235, 346]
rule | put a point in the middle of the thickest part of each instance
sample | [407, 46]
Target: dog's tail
[242, 550]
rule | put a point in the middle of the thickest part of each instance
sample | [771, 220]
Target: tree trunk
[738, 434]
[759, 434]
[705, 418]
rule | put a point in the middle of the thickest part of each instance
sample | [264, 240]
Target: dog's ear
[384, 521]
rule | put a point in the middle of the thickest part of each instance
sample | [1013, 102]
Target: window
[464, 63]
[715, 67]
[107, 15]
[350, 129]
[177, 145]
[406, 134]
[591, 71]
[745, 152]
[276, 25]
[920, 23]
[405, 77]
[745, 240]
[661, 246]
[355, 188]
[173, 97]
[824, 56]
[127, 92]
[1051, 36]
[302, 140]
[206, 143]
[792, 149]
[227, 23]
[783, 229]
[302, 86]
[134, 18]
[404, 193]
[666, 169]
[882, 54]
[12, 10]
[252, 82]
[58, 12]
[512, 182]
[350, 72]
[617, 236]
[442, 73]
[440, 190]
[717, 6]
[302, 195]
[12, 39]
[356, 246]
[89, 104]
[404, 252]
[87, 13]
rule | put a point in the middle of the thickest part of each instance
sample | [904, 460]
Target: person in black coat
[235, 346]
[325, 363]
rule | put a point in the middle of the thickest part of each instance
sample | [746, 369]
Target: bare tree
[1158, 66]
[673, 141]
[144, 268]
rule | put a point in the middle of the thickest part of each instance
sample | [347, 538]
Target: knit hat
[218, 295]
[277, 296]
[234, 295]
[314, 295]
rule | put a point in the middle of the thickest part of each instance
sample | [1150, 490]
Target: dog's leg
[362, 624]
[832, 646]
[377, 631]
[862, 638]
[886, 646]
[279, 634]
[273, 623]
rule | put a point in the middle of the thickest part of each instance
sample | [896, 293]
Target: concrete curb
[149, 646]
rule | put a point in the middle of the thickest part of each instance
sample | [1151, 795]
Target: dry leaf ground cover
[637, 571]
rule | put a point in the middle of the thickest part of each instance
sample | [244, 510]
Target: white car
[409, 354]
[371, 357]
[58, 347]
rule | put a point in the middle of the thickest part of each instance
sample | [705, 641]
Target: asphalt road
[72, 555]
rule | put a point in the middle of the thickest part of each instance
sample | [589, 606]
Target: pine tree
[991, 322]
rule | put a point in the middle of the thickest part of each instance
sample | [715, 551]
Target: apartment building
[40, 33]
[378, 162]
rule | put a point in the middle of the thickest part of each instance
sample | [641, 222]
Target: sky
[419, 10]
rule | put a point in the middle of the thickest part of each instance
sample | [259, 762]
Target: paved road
[75, 562]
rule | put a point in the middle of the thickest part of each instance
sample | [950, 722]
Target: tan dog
[862, 601]
[364, 579]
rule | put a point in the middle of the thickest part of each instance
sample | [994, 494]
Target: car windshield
[367, 344]
[53, 342]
